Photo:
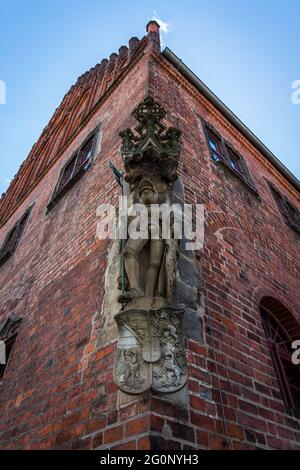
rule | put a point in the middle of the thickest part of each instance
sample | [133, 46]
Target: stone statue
[149, 262]
[150, 352]
[147, 196]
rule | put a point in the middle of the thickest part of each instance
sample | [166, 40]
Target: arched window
[281, 330]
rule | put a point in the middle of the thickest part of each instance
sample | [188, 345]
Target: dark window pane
[68, 172]
[293, 213]
[85, 154]
[215, 146]
[279, 200]
[8, 352]
[2, 370]
[235, 163]
[289, 213]
[20, 228]
[14, 237]
[8, 245]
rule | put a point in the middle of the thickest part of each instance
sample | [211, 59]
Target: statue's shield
[150, 351]
[169, 373]
[131, 373]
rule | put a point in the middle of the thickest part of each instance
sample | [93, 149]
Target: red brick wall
[58, 391]
[249, 253]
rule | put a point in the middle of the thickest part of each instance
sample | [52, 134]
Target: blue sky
[247, 52]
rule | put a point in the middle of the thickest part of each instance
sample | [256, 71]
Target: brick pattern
[249, 253]
[58, 391]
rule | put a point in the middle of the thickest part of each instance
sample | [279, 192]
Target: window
[238, 165]
[215, 146]
[289, 213]
[235, 161]
[224, 153]
[68, 173]
[293, 215]
[12, 240]
[279, 342]
[85, 154]
[8, 335]
[75, 167]
[278, 199]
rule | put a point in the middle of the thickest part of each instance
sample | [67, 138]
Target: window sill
[244, 180]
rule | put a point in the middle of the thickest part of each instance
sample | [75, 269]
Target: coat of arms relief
[150, 351]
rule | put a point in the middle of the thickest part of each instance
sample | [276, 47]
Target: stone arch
[283, 316]
[261, 292]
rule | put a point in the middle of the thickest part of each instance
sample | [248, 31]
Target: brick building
[241, 291]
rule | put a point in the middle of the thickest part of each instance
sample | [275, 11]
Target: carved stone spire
[151, 148]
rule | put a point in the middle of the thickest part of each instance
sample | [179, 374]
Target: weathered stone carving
[10, 328]
[151, 149]
[149, 262]
[150, 352]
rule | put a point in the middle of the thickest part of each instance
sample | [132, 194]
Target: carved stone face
[147, 193]
[147, 196]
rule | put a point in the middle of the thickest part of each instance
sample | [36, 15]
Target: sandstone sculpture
[150, 352]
